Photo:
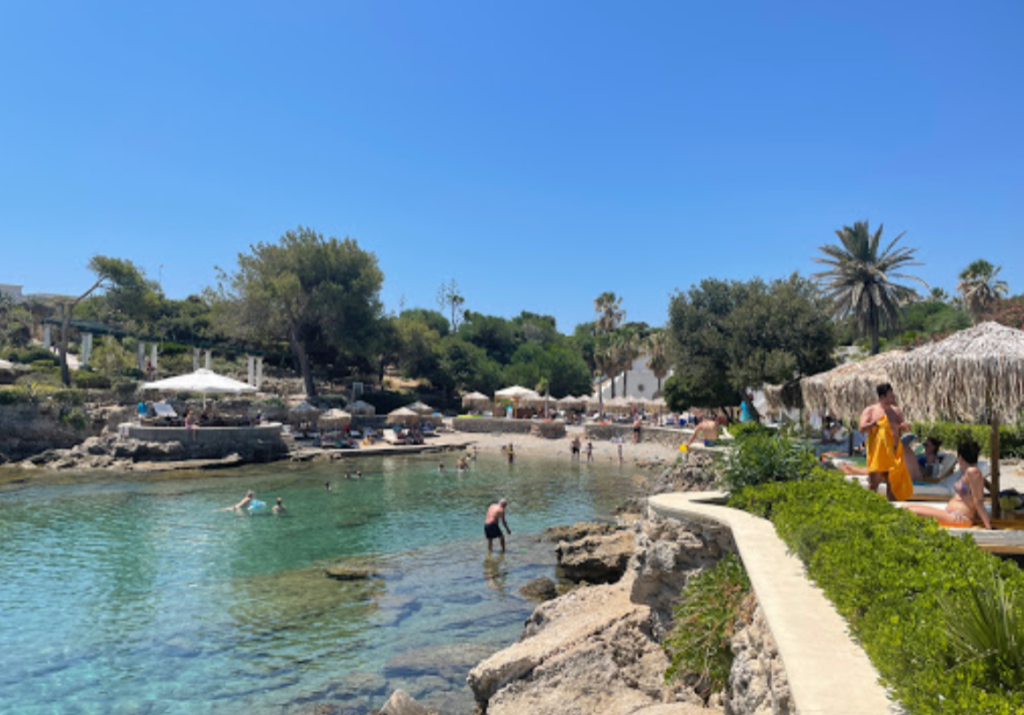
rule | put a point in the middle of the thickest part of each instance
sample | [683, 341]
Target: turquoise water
[129, 595]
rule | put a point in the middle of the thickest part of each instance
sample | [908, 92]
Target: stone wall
[553, 429]
[258, 443]
[26, 430]
[669, 436]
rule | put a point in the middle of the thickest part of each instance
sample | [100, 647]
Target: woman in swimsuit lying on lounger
[967, 507]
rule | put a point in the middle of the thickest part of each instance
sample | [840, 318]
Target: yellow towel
[885, 454]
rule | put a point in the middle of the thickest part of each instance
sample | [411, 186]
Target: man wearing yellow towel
[883, 423]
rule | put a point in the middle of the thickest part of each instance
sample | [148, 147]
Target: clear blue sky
[537, 152]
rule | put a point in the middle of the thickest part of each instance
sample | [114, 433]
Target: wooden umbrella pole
[994, 456]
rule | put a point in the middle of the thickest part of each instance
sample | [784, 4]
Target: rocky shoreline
[596, 648]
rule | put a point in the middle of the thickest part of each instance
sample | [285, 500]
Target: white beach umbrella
[516, 392]
[202, 380]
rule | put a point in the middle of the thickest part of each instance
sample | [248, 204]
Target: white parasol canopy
[202, 380]
[516, 392]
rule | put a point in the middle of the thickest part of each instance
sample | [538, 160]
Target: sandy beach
[531, 447]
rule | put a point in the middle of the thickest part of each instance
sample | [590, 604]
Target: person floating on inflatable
[883, 424]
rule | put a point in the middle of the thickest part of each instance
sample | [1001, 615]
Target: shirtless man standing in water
[492, 525]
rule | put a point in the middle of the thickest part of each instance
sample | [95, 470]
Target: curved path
[828, 673]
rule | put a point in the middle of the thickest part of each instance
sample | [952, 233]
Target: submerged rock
[401, 703]
[540, 589]
[342, 572]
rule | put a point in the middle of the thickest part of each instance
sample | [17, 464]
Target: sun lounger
[164, 410]
[392, 437]
[940, 491]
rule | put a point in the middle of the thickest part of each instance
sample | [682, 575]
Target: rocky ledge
[112, 452]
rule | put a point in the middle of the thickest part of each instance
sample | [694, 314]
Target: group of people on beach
[892, 462]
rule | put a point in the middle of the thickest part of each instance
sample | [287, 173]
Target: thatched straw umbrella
[476, 400]
[593, 404]
[362, 408]
[334, 418]
[617, 405]
[788, 396]
[421, 408]
[404, 416]
[976, 374]
[851, 392]
[846, 390]
[572, 403]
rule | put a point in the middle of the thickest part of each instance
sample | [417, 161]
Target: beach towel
[885, 454]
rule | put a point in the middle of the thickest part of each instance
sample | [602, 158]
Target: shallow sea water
[128, 595]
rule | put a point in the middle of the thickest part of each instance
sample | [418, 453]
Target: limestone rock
[596, 559]
[758, 684]
[540, 589]
[401, 703]
[577, 531]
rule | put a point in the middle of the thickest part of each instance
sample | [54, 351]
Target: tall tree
[449, 298]
[860, 280]
[728, 336]
[609, 312]
[627, 344]
[657, 355]
[120, 278]
[980, 287]
[309, 291]
[609, 315]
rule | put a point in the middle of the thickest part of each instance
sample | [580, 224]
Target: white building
[13, 291]
[639, 382]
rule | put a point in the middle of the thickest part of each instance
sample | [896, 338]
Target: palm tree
[938, 295]
[860, 280]
[607, 359]
[657, 356]
[609, 312]
[979, 287]
[609, 315]
[627, 349]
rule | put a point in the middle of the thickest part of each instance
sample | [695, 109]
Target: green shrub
[701, 639]
[31, 355]
[91, 380]
[15, 395]
[759, 455]
[75, 419]
[951, 434]
[71, 397]
[895, 577]
[43, 366]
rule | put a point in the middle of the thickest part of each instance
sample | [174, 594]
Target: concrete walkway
[828, 673]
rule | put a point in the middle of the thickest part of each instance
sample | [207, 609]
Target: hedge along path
[828, 673]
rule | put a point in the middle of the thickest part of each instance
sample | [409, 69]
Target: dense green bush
[759, 455]
[951, 434]
[91, 380]
[895, 577]
[31, 355]
[15, 395]
[701, 639]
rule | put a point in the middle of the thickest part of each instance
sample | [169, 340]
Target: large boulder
[588, 651]
[540, 589]
[596, 559]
